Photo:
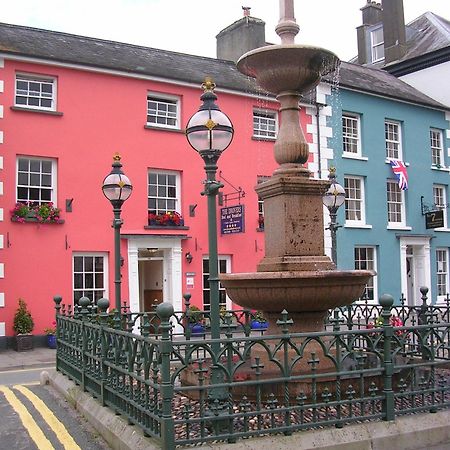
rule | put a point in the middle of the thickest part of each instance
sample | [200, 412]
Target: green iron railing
[275, 384]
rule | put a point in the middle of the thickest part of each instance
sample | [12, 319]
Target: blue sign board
[232, 219]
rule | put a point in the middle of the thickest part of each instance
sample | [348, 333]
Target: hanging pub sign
[434, 219]
[232, 219]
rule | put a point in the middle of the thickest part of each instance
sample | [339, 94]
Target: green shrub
[23, 322]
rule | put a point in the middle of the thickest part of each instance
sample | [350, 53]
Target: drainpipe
[319, 153]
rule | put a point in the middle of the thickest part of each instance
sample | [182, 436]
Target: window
[377, 44]
[265, 124]
[393, 140]
[442, 272]
[36, 180]
[437, 148]
[163, 111]
[224, 267]
[89, 277]
[395, 204]
[261, 179]
[37, 93]
[440, 200]
[163, 192]
[365, 259]
[351, 134]
[354, 200]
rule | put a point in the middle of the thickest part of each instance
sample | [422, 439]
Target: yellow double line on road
[30, 424]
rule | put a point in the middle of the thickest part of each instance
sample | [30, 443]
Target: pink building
[68, 104]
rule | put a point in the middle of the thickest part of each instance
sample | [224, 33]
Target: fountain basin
[280, 68]
[296, 292]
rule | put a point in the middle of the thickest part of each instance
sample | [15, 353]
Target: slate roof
[92, 52]
[428, 33]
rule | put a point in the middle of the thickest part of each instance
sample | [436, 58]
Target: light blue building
[384, 227]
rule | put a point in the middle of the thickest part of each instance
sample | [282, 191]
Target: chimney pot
[246, 10]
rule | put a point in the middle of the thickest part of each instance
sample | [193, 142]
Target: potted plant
[259, 322]
[196, 321]
[51, 335]
[23, 326]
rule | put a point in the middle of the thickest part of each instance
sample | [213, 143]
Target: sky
[190, 26]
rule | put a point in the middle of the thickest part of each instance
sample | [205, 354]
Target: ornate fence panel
[176, 389]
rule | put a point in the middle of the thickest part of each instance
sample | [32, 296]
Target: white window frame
[164, 116]
[390, 142]
[105, 290]
[442, 273]
[221, 258]
[376, 45]
[40, 174]
[38, 95]
[177, 198]
[398, 191]
[351, 135]
[370, 263]
[263, 121]
[437, 148]
[440, 200]
[355, 200]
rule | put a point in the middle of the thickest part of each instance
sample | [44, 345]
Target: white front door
[415, 266]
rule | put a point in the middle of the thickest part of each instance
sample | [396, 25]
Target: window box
[29, 212]
[168, 219]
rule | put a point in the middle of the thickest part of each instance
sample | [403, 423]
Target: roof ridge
[433, 18]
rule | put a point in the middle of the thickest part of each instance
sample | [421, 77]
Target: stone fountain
[295, 274]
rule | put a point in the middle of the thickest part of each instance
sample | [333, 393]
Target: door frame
[421, 265]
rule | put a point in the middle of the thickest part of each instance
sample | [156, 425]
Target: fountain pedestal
[293, 217]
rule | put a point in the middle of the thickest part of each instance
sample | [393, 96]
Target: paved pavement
[38, 357]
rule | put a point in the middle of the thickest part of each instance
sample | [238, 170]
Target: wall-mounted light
[188, 256]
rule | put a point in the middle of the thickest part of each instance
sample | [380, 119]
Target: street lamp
[209, 132]
[117, 188]
[333, 198]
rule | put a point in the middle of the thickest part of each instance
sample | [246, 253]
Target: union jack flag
[399, 169]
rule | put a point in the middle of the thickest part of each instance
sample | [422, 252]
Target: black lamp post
[209, 132]
[117, 188]
[333, 199]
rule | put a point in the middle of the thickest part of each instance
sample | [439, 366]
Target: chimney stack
[394, 30]
[240, 37]
[371, 15]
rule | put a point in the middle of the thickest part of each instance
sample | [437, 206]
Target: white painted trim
[2, 329]
[357, 225]
[2, 299]
[354, 156]
[1, 214]
[2, 270]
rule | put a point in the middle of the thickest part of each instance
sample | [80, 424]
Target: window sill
[264, 138]
[260, 230]
[357, 225]
[156, 128]
[165, 227]
[440, 169]
[398, 227]
[36, 110]
[443, 230]
[355, 156]
[35, 220]
[388, 161]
